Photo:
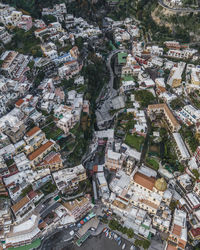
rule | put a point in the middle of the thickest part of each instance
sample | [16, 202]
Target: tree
[79, 42]
[49, 19]
[181, 168]
[67, 83]
[130, 233]
[124, 230]
[26, 190]
[173, 205]
[1, 62]
[195, 173]
[144, 97]
[39, 78]
[176, 104]
[113, 224]
[146, 244]
[138, 243]
[31, 64]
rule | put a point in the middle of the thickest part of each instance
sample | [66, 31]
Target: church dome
[161, 184]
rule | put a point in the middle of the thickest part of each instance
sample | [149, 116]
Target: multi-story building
[172, 44]
[180, 148]
[22, 163]
[195, 76]
[50, 50]
[175, 78]
[66, 122]
[69, 69]
[37, 156]
[33, 138]
[183, 184]
[186, 54]
[149, 192]
[196, 188]
[129, 165]
[22, 208]
[14, 65]
[5, 37]
[39, 33]
[78, 208]
[5, 218]
[68, 179]
[189, 115]
[162, 220]
[53, 161]
[16, 132]
[25, 22]
[178, 232]
[113, 160]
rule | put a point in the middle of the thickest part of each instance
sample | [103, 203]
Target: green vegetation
[31, 65]
[185, 24]
[128, 78]
[35, 244]
[32, 7]
[176, 104]
[9, 162]
[122, 58]
[25, 42]
[115, 225]
[142, 243]
[152, 163]
[173, 204]
[52, 131]
[48, 188]
[125, 122]
[39, 78]
[167, 154]
[81, 144]
[194, 100]
[84, 187]
[79, 43]
[96, 75]
[195, 173]
[49, 19]
[188, 134]
[130, 233]
[116, 83]
[134, 141]
[144, 97]
[26, 190]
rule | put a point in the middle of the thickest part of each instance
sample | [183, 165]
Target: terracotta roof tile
[145, 181]
[20, 204]
[19, 102]
[38, 30]
[70, 62]
[32, 131]
[40, 150]
[32, 194]
[177, 230]
[170, 247]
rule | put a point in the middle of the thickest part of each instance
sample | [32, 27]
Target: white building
[180, 147]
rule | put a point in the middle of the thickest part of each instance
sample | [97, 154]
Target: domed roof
[161, 184]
